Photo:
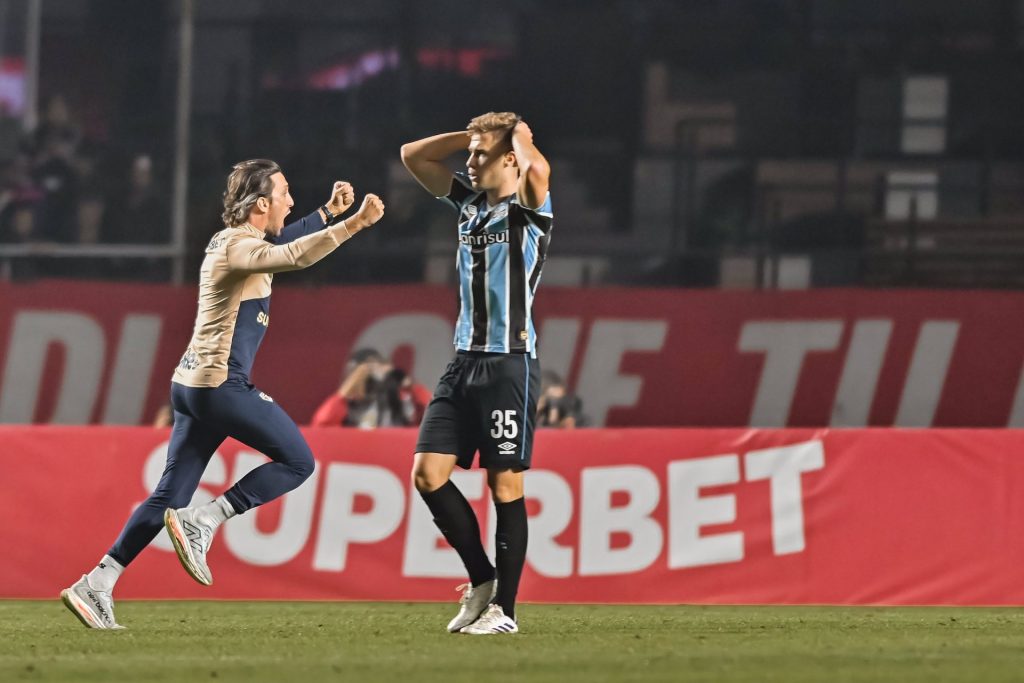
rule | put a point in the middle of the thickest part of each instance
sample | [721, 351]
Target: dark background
[734, 143]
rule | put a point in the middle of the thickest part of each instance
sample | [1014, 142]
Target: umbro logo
[266, 398]
[506, 448]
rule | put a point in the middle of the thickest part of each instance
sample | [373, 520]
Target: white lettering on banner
[216, 474]
[559, 336]
[244, 539]
[126, 397]
[545, 555]
[430, 337]
[553, 494]
[783, 466]
[785, 344]
[599, 520]
[689, 511]
[33, 332]
[341, 525]
[94, 369]
[927, 374]
[1016, 418]
[600, 381]
[857, 386]
[426, 553]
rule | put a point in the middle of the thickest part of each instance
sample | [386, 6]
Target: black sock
[510, 555]
[457, 522]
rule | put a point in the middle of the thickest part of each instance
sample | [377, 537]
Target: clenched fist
[342, 197]
[371, 211]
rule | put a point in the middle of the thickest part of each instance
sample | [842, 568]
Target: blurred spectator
[56, 129]
[54, 145]
[137, 215]
[91, 203]
[373, 394]
[556, 406]
[19, 200]
[19, 207]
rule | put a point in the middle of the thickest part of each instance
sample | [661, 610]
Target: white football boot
[191, 537]
[472, 603]
[93, 608]
[491, 622]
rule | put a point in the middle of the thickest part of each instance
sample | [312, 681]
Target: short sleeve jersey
[501, 251]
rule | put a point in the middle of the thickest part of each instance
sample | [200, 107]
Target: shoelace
[467, 590]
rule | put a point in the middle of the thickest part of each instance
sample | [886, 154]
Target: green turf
[310, 642]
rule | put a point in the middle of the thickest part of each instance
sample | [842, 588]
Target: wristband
[330, 216]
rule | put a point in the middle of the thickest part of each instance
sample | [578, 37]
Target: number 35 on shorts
[505, 424]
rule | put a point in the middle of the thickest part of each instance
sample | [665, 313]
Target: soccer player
[486, 400]
[211, 394]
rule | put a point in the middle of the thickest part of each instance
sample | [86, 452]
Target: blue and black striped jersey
[501, 252]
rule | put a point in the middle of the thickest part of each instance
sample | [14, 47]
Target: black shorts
[484, 402]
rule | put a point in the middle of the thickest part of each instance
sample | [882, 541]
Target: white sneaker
[473, 602]
[492, 621]
[191, 538]
[93, 608]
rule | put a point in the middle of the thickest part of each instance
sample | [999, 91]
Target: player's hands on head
[522, 131]
[342, 197]
[371, 211]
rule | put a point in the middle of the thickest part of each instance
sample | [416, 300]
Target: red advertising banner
[77, 353]
[629, 516]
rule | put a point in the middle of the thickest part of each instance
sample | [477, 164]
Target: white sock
[105, 575]
[217, 511]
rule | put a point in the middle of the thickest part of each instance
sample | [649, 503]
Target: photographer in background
[373, 394]
[556, 406]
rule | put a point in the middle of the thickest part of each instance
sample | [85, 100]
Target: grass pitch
[311, 642]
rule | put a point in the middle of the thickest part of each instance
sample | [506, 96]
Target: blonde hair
[248, 181]
[493, 120]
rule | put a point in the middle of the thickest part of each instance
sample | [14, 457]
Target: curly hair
[248, 181]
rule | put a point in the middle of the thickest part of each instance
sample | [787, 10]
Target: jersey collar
[252, 230]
